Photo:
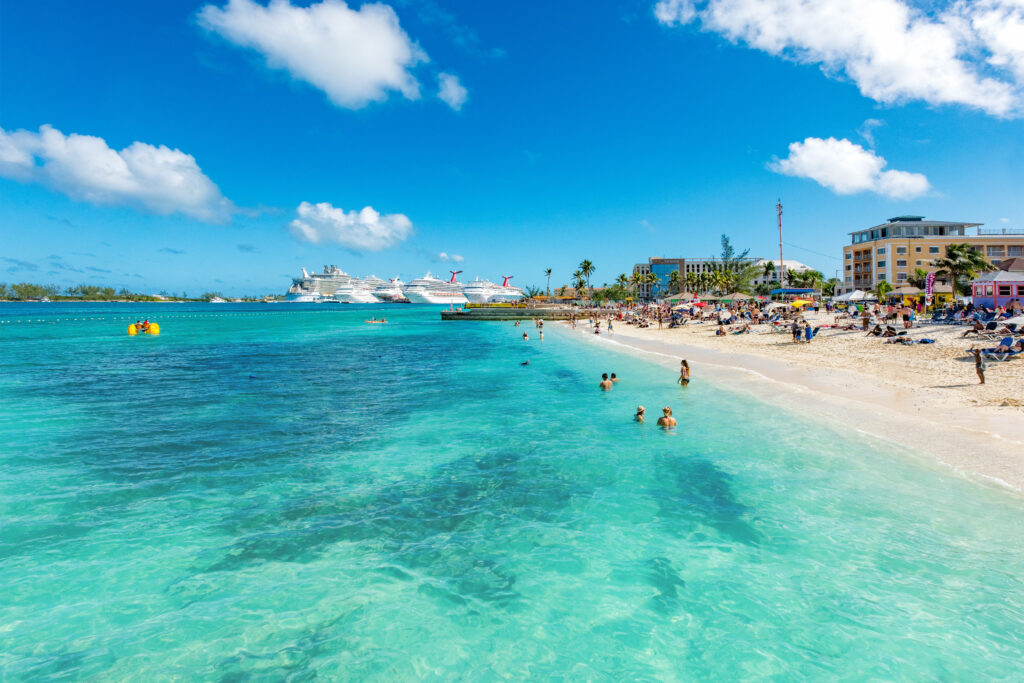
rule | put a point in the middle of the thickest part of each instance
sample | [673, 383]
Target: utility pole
[782, 263]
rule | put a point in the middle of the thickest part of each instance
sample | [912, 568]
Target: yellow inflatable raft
[154, 328]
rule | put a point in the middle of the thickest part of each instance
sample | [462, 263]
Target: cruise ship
[318, 286]
[391, 290]
[430, 290]
[355, 291]
[486, 292]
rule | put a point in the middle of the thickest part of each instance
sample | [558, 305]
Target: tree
[769, 268]
[622, 281]
[881, 289]
[547, 274]
[654, 282]
[961, 264]
[828, 288]
[578, 282]
[919, 279]
[587, 268]
[636, 281]
[719, 281]
[675, 282]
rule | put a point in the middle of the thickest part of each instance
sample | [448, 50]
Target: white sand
[925, 398]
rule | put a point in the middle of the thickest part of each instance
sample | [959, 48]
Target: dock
[511, 313]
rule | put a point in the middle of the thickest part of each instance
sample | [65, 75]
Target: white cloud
[1004, 220]
[84, 167]
[848, 168]
[451, 91]
[967, 53]
[867, 130]
[355, 56]
[365, 230]
[446, 257]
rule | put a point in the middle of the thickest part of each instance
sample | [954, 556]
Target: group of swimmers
[666, 420]
[142, 325]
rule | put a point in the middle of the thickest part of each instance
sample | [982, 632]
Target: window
[978, 290]
[996, 250]
[1020, 290]
[849, 267]
[1015, 251]
[917, 249]
[931, 250]
[849, 255]
[901, 264]
[881, 264]
[901, 277]
[1005, 290]
[918, 263]
[901, 250]
[988, 290]
[881, 250]
[850, 279]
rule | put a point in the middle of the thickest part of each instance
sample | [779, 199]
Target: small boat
[133, 329]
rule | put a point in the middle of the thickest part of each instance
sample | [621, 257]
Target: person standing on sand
[606, 384]
[979, 363]
[666, 420]
[684, 373]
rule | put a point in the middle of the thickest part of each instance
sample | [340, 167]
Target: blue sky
[233, 143]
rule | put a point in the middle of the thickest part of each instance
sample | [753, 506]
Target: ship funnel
[305, 275]
[454, 273]
[507, 278]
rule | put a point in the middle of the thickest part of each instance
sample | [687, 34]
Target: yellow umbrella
[801, 302]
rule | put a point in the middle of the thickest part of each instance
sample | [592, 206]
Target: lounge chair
[997, 353]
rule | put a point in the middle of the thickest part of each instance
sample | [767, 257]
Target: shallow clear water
[408, 501]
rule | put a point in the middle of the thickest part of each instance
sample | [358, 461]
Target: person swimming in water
[614, 378]
[606, 384]
[639, 417]
[526, 337]
[684, 373]
[666, 420]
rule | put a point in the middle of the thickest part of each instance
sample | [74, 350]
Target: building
[1002, 287]
[773, 277]
[663, 268]
[893, 250]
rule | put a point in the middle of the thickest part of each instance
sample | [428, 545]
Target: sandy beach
[923, 397]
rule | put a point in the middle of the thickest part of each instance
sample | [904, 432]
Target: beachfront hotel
[893, 250]
[663, 268]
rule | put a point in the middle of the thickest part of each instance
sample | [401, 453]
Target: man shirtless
[606, 384]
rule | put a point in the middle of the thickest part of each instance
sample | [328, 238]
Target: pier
[511, 313]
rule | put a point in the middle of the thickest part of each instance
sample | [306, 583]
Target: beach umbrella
[800, 302]
[699, 303]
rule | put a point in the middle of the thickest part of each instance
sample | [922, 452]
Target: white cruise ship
[430, 290]
[391, 291]
[486, 292]
[318, 286]
[355, 292]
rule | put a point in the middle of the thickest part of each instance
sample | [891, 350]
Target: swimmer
[639, 417]
[614, 378]
[542, 334]
[517, 323]
[525, 362]
[526, 337]
[666, 420]
[606, 384]
[684, 373]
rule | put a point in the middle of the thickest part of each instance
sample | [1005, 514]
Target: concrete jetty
[510, 313]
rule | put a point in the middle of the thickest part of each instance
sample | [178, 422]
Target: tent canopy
[791, 291]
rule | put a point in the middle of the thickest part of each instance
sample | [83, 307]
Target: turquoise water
[407, 501]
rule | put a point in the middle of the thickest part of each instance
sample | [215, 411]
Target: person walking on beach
[684, 373]
[979, 363]
[606, 384]
[640, 411]
[666, 420]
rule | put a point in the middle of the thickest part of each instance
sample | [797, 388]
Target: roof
[1000, 276]
[1013, 264]
[916, 220]
[791, 291]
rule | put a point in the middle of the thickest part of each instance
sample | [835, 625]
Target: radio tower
[782, 263]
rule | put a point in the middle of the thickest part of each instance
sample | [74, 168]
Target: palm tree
[636, 280]
[719, 280]
[919, 279]
[578, 282]
[547, 274]
[881, 289]
[622, 280]
[962, 262]
[828, 288]
[675, 282]
[692, 281]
[655, 283]
[587, 268]
[769, 268]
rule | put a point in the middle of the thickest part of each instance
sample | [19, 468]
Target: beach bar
[1000, 287]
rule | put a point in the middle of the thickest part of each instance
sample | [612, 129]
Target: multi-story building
[773, 277]
[663, 268]
[892, 251]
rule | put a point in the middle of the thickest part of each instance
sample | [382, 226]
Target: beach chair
[992, 354]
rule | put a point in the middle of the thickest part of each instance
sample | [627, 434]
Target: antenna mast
[782, 263]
